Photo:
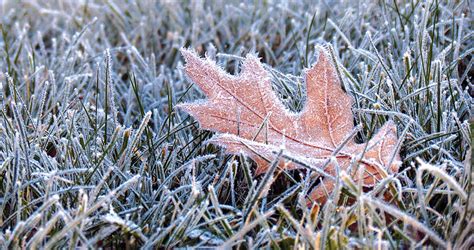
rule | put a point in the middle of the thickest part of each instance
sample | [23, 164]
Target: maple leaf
[251, 120]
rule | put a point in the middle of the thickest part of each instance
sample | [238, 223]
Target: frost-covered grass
[93, 153]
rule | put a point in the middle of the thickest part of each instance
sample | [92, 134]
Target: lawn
[96, 153]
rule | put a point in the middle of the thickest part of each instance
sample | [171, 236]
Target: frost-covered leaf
[250, 119]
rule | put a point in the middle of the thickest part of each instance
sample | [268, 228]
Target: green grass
[94, 154]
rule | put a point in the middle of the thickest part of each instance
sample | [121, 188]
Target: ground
[94, 153]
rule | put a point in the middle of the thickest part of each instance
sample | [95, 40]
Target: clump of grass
[93, 153]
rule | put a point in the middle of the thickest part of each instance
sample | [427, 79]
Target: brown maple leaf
[251, 120]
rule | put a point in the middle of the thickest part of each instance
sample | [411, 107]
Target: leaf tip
[253, 66]
[323, 54]
[188, 54]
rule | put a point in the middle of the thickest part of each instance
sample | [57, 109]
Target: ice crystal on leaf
[250, 119]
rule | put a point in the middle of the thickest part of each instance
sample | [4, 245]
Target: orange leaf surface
[250, 119]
